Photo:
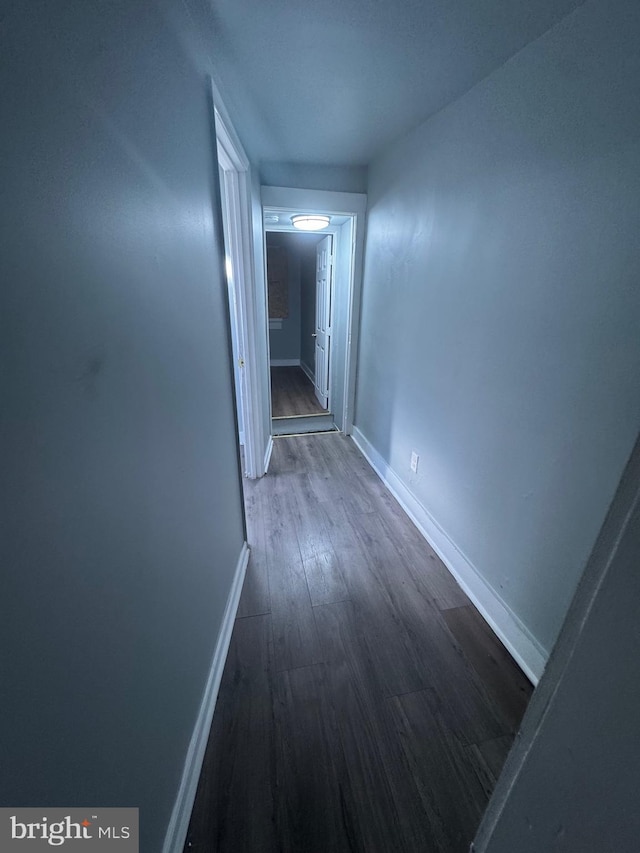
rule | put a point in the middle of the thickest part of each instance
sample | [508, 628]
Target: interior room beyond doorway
[292, 302]
[292, 393]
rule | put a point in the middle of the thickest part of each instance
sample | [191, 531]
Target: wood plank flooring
[365, 705]
[292, 393]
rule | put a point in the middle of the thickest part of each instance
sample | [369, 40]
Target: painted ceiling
[336, 81]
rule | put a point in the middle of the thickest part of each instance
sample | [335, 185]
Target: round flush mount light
[310, 222]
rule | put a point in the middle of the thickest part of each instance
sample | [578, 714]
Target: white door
[238, 358]
[324, 273]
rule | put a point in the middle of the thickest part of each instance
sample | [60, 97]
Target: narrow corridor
[365, 704]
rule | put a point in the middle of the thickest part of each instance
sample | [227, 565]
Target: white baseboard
[517, 638]
[308, 372]
[179, 824]
[267, 454]
[285, 362]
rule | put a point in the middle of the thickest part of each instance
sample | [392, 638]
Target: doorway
[249, 289]
[311, 295]
[299, 270]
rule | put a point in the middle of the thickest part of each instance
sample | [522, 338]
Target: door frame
[350, 205]
[236, 174]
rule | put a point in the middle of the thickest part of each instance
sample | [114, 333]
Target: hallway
[365, 705]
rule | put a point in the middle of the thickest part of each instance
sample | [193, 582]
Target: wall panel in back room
[283, 260]
[501, 308]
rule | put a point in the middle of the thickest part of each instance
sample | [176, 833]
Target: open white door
[324, 273]
[235, 185]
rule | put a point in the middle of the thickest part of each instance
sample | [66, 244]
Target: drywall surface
[572, 779]
[501, 308]
[348, 179]
[121, 505]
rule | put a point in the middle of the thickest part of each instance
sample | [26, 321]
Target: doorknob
[313, 335]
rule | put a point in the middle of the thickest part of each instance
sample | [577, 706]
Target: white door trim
[353, 205]
[236, 170]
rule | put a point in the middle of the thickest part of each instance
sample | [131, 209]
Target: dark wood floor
[365, 705]
[292, 393]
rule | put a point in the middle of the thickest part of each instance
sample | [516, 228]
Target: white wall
[501, 308]
[571, 781]
[262, 342]
[121, 510]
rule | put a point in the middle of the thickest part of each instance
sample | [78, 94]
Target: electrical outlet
[414, 461]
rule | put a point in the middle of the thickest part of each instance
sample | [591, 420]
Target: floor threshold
[303, 424]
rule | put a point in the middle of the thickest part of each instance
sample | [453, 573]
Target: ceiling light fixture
[310, 222]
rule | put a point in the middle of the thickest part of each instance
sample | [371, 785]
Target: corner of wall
[181, 815]
[512, 632]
